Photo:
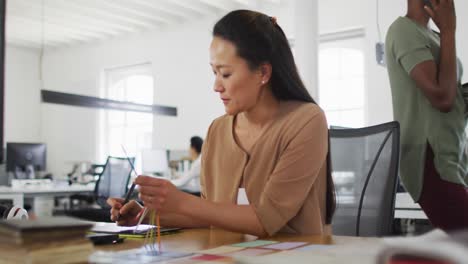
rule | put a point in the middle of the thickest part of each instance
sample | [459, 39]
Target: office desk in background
[43, 196]
[406, 208]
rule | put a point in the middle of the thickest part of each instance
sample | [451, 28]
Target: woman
[428, 102]
[264, 164]
[190, 180]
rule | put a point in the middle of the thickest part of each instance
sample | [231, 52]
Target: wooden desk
[192, 240]
[357, 250]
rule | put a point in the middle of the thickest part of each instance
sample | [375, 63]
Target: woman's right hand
[443, 15]
[126, 215]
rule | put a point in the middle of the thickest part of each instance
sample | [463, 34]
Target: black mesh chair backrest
[364, 169]
[114, 179]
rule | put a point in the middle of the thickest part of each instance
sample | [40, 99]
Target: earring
[263, 82]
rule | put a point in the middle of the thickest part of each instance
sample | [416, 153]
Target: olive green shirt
[408, 44]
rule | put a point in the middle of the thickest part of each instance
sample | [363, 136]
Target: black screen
[20, 155]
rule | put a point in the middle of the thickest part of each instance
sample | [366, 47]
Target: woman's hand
[126, 215]
[443, 15]
[160, 194]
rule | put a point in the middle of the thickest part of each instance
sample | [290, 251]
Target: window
[133, 130]
[342, 81]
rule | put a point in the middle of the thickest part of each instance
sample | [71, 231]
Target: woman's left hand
[159, 194]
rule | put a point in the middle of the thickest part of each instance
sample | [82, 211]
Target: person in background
[428, 102]
[265, 163]
[189, 181]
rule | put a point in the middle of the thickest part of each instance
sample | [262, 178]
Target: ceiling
[58, 23]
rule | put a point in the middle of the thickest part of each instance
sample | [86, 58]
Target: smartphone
[102, 239]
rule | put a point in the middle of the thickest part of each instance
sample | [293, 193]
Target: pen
[127, 198]
[129, 194]
[132, 188]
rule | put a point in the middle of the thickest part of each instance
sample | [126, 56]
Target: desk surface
[192, 240]
[344, 250]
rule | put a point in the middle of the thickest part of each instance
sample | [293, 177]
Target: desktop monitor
[155, 161]
[21, 157]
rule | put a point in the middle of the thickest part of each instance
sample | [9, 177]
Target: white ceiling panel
[57, 23]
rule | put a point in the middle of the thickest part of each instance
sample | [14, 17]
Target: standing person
[189, 181]
[428, 102]
[265, 167]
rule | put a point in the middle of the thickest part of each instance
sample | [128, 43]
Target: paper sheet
[207, 257]
[251, 252]
[256, 243]
[285, 245]
[221, 250]
[313, 247]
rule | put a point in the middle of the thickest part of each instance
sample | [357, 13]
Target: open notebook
[113, 228]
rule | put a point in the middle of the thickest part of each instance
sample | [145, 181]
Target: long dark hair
[259, 39]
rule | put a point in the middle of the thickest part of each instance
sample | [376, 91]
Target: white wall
[182, 78]
[306, 43]
[22, 96]
[379, 100]
[336, 15]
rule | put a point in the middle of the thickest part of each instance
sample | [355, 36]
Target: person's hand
[443, 15]
[126, 215]
[159, 194]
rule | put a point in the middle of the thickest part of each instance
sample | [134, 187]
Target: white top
[190, 180]
[242, 198]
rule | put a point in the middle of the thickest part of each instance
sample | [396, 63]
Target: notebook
[19, 227]
[44, 223]
[44, 240]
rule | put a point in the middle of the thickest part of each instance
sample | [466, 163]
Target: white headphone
[13, 212]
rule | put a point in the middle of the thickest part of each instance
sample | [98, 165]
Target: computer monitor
[24, 157]
[155, 161]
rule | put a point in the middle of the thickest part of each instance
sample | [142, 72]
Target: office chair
[113, 182]
[95, 171]
[365, 173]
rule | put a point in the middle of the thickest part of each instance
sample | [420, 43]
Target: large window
[133, 130]
[342, 81]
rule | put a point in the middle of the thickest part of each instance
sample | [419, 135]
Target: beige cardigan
[285, 174]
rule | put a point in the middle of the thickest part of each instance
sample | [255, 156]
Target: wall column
[306, 41]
